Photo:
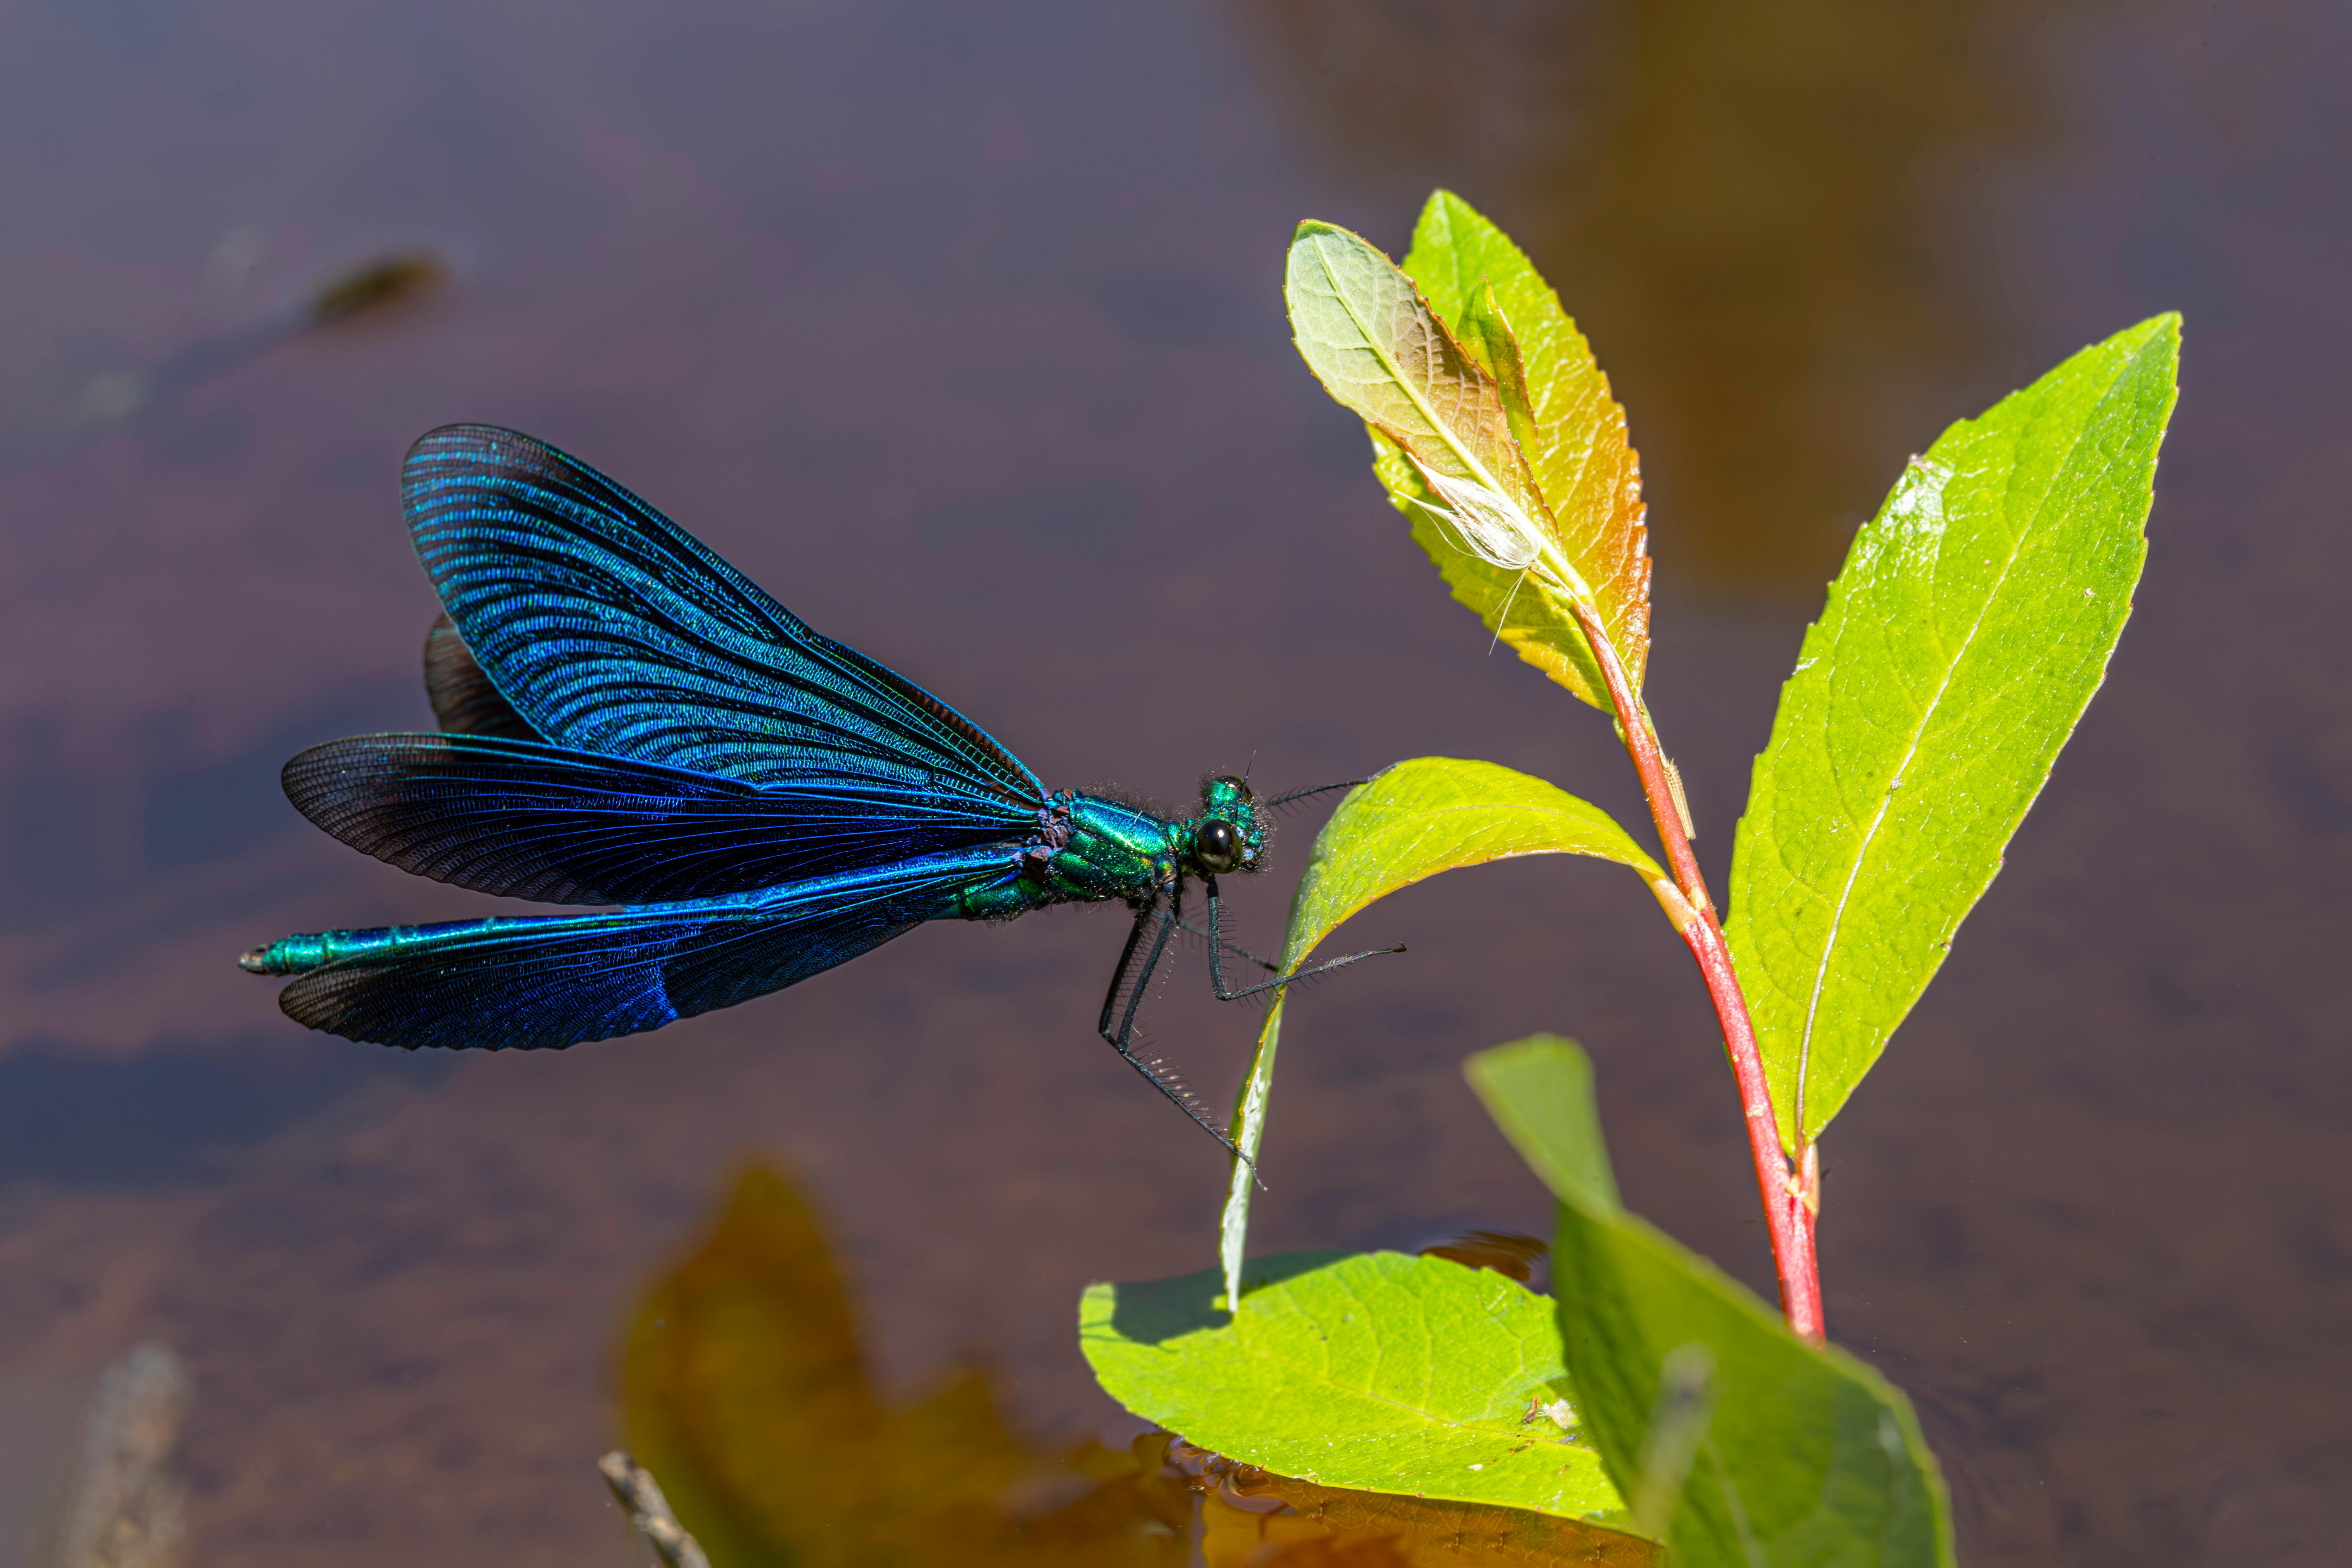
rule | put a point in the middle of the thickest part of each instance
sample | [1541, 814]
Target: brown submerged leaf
[744, 1390]
[1507, 1252]
[1325, 1527]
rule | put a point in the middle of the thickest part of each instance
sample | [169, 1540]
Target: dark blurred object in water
[1735, 203]
[1506, 1252]
[372, 290]
[743, 1386]
[382, 285]
[128, 1510]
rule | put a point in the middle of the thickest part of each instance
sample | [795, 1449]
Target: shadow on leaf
[1163, 1310]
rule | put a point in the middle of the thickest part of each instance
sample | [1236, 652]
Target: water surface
[959, 329]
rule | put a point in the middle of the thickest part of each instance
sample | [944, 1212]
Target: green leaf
[1549, 1115]
[1432, 814]
[1971, 624]
[1435, 410]
[1414, 820]
[1486, 333]
[1791, 1455]
[1574, 439]
[1380, 1371]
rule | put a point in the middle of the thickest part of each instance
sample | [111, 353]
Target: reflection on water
[181, 1111]
[745, 1390]
[371, 292]
[746, 1393]
[1749, 209]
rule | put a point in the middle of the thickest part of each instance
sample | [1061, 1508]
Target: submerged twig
[640, 1496]
[127, 1510]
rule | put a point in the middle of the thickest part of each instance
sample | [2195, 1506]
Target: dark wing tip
[467, 436]
[485, 448]
[465, 701]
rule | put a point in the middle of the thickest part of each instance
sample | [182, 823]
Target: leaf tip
[1316, 228]
[2161, 330]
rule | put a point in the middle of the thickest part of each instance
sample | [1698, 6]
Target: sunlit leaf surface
[1796, 1456]
[1379, 1372]
[745, 1391]
[1418, 818]
[1260, 1521]
[1969, 628]
[1573, 437]
[1373, 342]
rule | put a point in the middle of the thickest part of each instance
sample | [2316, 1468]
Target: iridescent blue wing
[612, 630]
[543, 983]
[523, 819]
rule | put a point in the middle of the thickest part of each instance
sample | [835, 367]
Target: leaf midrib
[1403, 382]
[1574, 579]
[1544, 389]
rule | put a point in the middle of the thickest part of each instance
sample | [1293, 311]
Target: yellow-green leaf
[1963, 639]
[1440, 419]
[1418, 818]
[1575, 444]
[1377, 1372]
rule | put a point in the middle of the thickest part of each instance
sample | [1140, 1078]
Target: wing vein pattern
[524, 819]
[612, 630]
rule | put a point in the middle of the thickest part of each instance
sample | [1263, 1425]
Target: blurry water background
[959, 327]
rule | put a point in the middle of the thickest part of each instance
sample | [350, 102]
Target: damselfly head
[1228, 836]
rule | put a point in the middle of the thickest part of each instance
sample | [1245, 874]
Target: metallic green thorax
[1092, 850]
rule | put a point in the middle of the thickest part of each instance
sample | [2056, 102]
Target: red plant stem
[1791, 1198]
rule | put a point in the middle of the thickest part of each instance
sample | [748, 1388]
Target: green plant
[1971, 624]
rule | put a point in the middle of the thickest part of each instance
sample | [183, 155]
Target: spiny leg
[1290, 796]
[1162, 924]
[1143, 916]
[1121, 1039]
[1237, 948]
[1217, 943]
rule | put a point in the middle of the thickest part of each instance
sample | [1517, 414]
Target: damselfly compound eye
[1216, 846]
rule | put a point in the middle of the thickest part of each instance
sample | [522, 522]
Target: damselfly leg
[1217, 944]
[1161, 921]
[1237, 948]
